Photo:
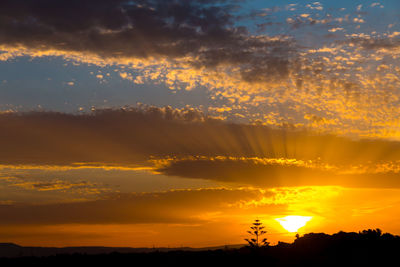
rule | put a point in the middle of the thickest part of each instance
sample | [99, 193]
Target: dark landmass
[10, 250]
[366, 248]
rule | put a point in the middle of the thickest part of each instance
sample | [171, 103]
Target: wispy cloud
[176, 206]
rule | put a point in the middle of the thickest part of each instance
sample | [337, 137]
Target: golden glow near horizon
[293, 223]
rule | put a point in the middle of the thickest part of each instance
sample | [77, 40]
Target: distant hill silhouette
[366, 248]
[10, 250]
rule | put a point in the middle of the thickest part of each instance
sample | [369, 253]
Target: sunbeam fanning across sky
[177, 123]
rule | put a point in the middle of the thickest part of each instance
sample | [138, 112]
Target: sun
[293, 223]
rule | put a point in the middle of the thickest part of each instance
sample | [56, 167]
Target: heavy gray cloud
[281, 173]
[187, 143]
[128, 136]
[203, 31]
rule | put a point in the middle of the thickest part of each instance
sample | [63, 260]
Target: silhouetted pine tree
[257, 231]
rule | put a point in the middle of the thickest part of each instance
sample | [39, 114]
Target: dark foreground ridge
[366, 248]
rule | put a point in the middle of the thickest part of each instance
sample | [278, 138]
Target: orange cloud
[175, 206]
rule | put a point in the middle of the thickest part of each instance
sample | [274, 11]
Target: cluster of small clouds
[377, 4]
[350, 84]
[315, 6]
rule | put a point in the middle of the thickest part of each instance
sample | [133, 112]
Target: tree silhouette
[257, 231]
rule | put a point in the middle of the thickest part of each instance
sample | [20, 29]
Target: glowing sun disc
[293, 223]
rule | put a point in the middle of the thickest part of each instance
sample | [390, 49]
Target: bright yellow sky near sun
[219, 220]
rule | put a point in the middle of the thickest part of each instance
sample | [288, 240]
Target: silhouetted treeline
[366, 248]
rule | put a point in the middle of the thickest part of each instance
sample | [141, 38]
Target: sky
[178, 123]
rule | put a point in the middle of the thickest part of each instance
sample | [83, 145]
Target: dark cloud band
[203, 31]
[187, 143]
[178, 206]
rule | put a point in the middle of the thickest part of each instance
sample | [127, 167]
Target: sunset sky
[178, 123]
